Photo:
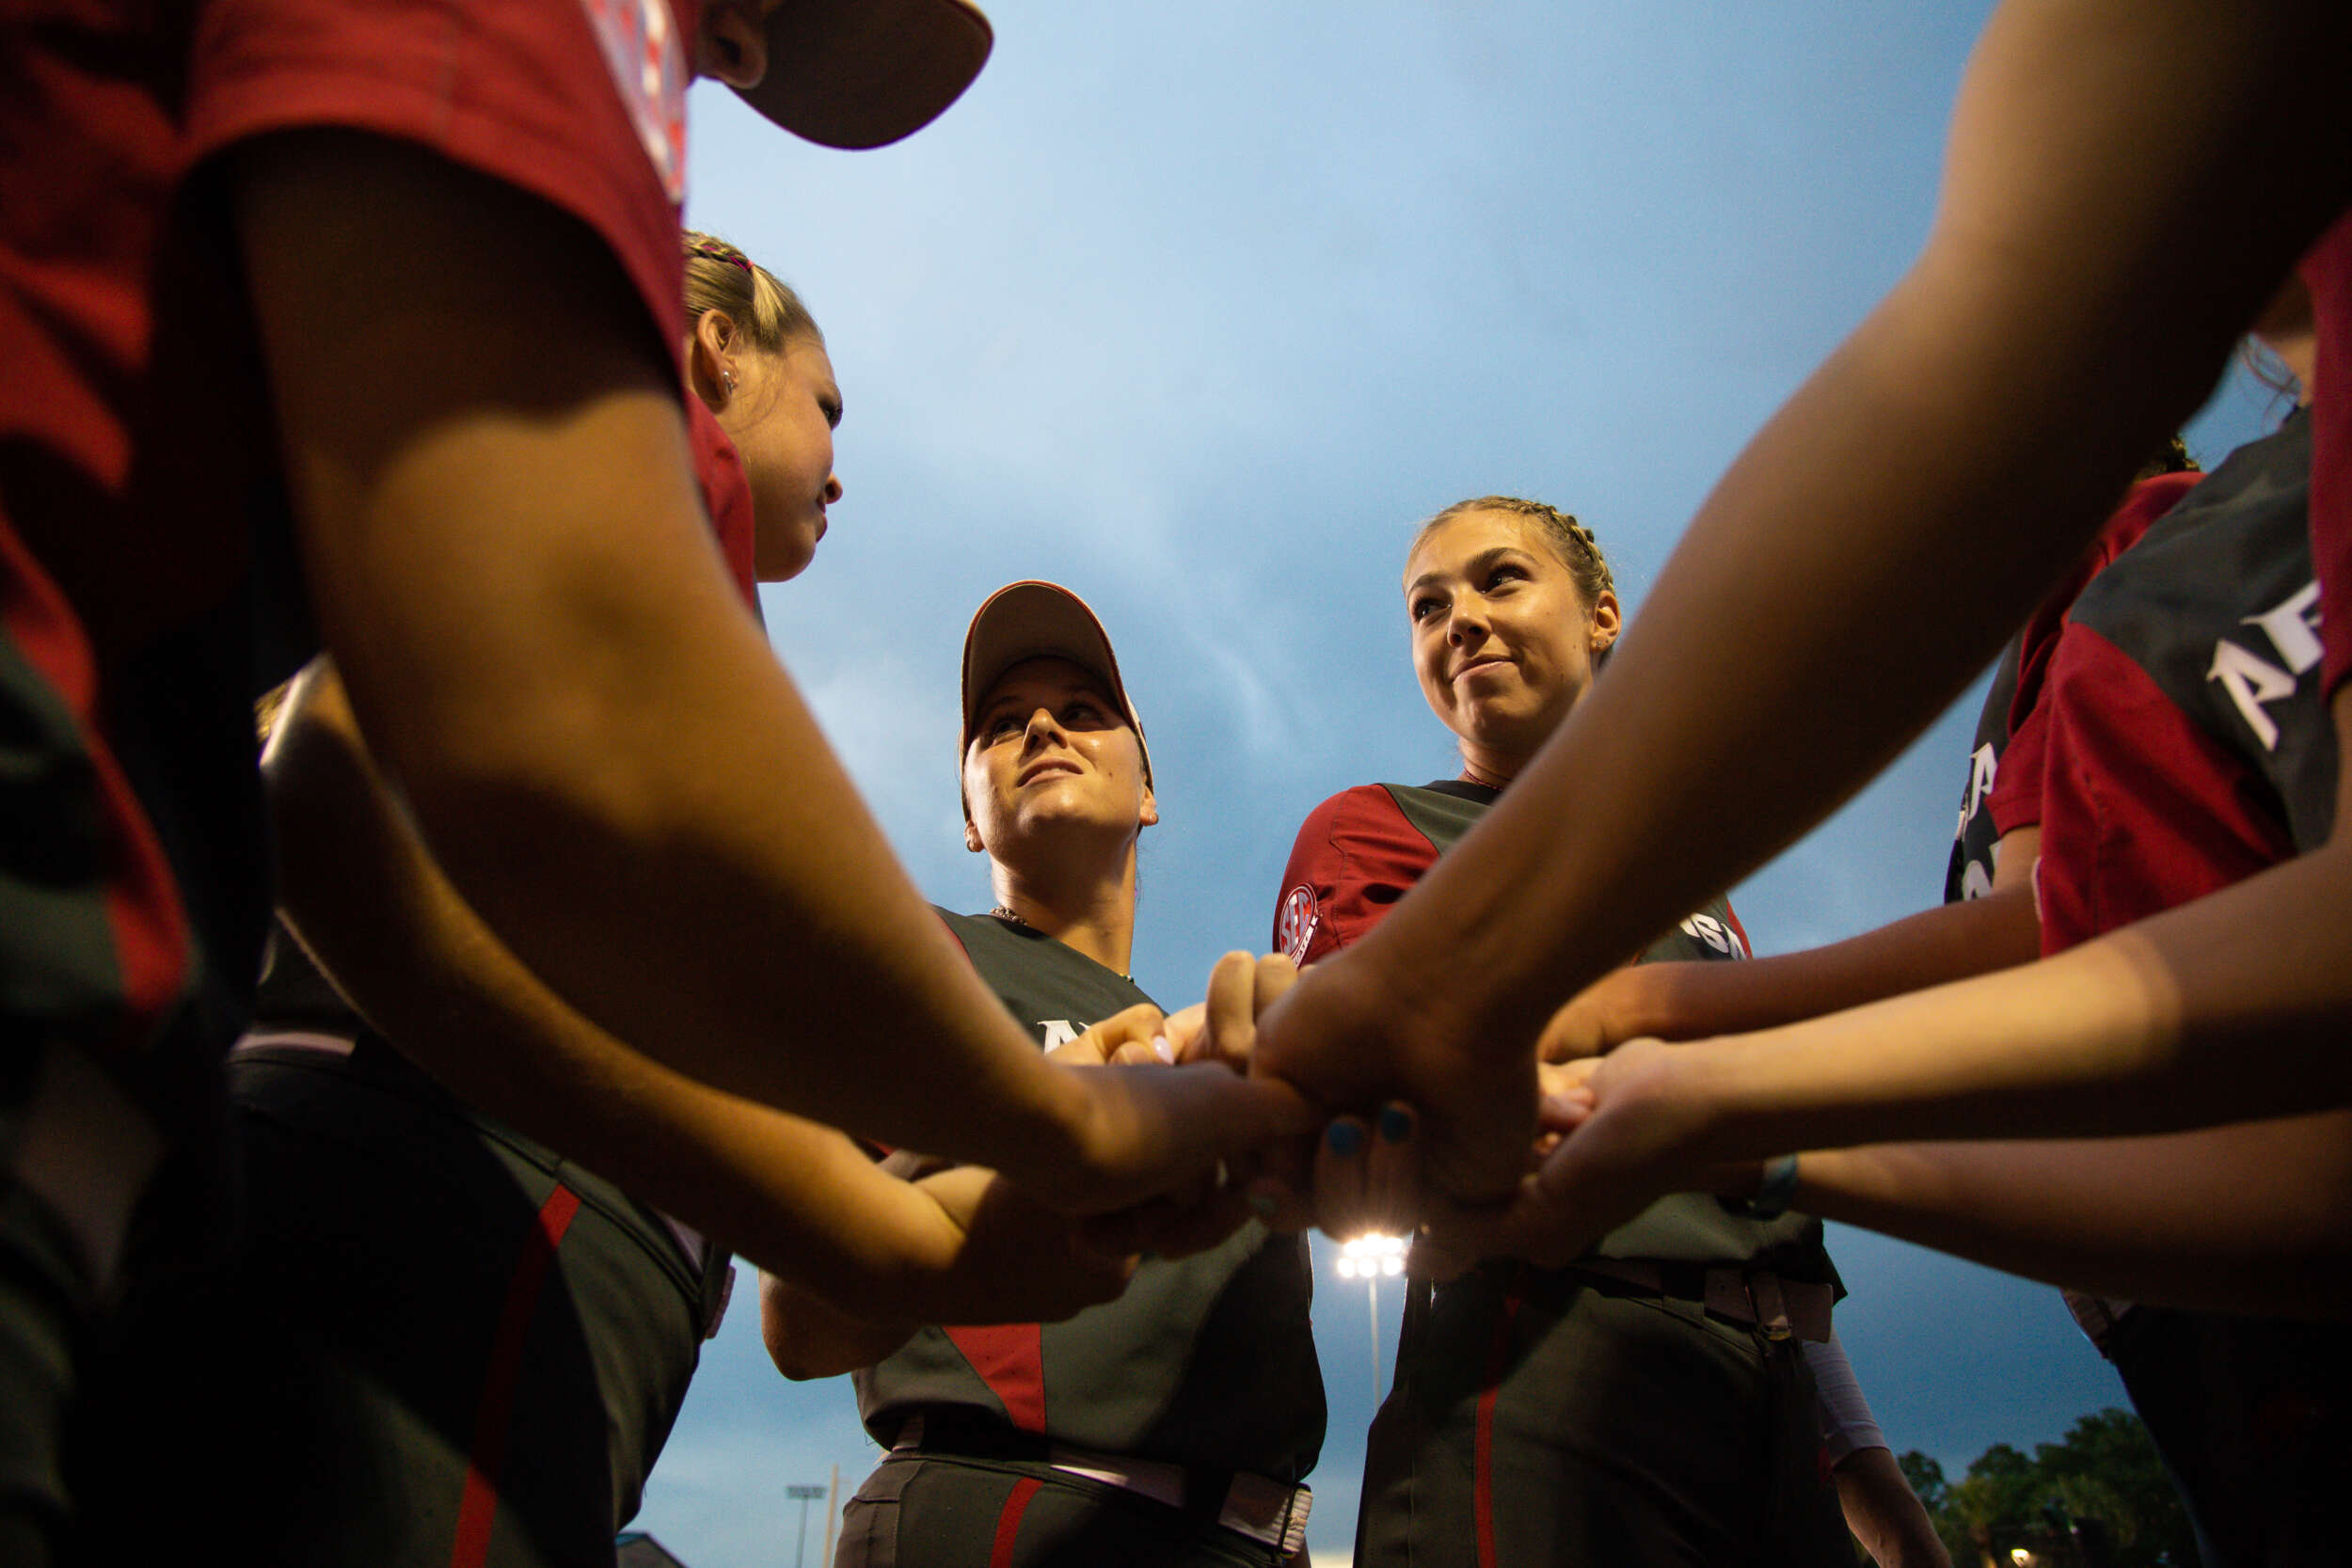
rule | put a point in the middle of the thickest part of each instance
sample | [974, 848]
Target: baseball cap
[859, 73]
[1039, 620]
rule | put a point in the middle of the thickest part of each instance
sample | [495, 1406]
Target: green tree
[2097, 1498]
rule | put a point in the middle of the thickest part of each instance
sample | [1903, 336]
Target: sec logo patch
[1294, 928]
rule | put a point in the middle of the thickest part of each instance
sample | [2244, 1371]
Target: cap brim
[859, 73]
[1039, 620]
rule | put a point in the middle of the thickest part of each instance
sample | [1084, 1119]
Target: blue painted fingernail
[1396, 1124]
[1346, 1138]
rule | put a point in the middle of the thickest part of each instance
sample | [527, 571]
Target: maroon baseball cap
[859, 73]
[1039, 620]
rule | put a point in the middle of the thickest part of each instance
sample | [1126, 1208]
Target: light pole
[807, 1495]
[1367, 1257]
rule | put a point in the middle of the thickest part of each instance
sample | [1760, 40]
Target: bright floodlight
[1372, 1255]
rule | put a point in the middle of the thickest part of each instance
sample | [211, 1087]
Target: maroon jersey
[726, 497]
[1207, 1362]
[2003, 791]
[138, 459]
[2328, 270]
[1363, 849]
[2188, 741]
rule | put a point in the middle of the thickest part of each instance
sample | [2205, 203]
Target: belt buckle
[1772, 1308]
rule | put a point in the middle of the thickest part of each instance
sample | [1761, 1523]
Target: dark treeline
[2099, 1498]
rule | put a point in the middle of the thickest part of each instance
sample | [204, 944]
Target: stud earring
[727, 380]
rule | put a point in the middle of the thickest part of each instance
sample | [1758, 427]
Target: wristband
[1773, 1193]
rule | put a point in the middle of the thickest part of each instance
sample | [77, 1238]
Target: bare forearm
[2227, 1009]
[384, 922]
[1831, 597]
[1884, 1513]
[808, 1337]
[1687, 1001]
[2251, 1219]
[508, 557]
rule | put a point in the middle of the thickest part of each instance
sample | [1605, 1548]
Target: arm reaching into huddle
[505, 552]
[2126, 182]
[798, 1198]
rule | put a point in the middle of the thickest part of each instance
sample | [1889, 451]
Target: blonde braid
[721, 278]
[1570, 540]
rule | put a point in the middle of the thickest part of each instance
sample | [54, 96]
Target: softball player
[1650, 1403]
[1175, 1425]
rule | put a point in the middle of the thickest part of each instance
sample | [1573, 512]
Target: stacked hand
[1342, 1035]
[1619, 1121]
[1163, 1112]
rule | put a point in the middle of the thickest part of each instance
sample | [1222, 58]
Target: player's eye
[1425, 607]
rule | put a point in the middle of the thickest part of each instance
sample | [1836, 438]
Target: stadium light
[805, 1495]
[1372, 1257]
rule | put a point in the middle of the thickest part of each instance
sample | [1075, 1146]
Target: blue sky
[1199, 310]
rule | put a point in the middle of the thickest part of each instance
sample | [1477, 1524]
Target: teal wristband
[1774, 1192]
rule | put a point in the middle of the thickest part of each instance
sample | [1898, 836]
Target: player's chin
[783, 553]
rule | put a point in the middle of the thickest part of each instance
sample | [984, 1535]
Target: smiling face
[1504, 639]
[1050, 752]
[781, 415]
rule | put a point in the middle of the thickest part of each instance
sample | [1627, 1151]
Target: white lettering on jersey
[1721, 937]
[1058, 1031]
[1294, 927]
[2293, 626]
[2250, 680]
[1983, 767]
[1975, 881]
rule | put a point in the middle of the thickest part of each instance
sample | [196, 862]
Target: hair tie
[730, 256]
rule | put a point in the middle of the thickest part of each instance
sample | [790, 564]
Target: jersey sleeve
[1355, 857]
[2016, 799]
[2142, 504]
[2141, 809]
[580, 103]
[2328, 270]
[726, 498]
[1847, 1425]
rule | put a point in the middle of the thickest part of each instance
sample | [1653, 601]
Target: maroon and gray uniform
[506, 1338]
[2003, 792]
[1203, 1374]
[1628, 1408]
[436, 1341]
[2190, 747]
[140, 507]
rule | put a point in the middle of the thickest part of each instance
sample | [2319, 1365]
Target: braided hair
[763, 308]
[1570, 540]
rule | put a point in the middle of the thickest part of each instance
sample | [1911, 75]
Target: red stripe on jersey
[1731, 918]
[1010, 1359]
[1008, 1522]
[477, 1508]
[143, 910]
[1498, 1355]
